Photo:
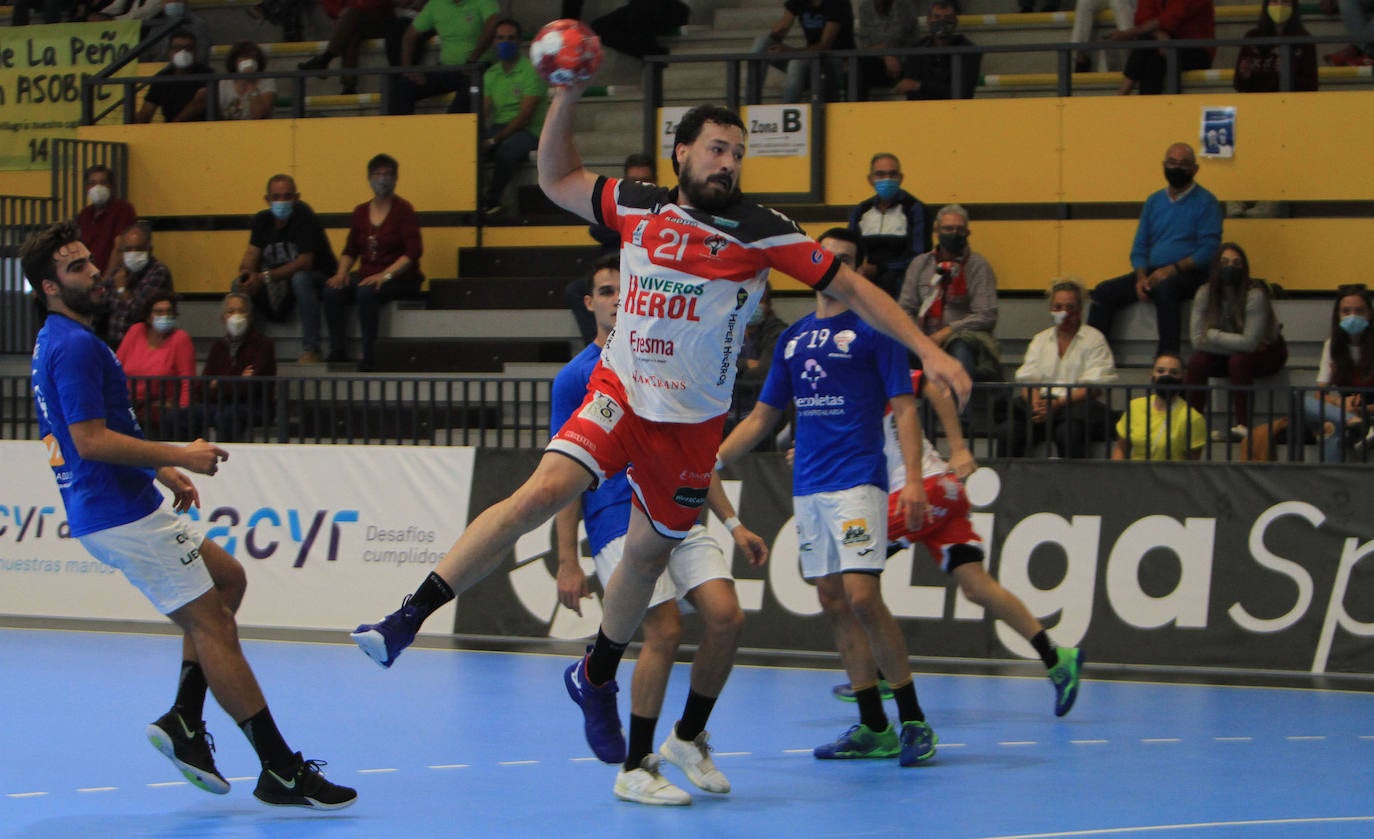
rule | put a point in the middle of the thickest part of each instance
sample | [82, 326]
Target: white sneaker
[694, 759]
[646, 785]
[1237, 434]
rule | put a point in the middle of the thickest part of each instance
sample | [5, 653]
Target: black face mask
[1167, 386]
[1231, 275]
[1178, 178]
[953, 243]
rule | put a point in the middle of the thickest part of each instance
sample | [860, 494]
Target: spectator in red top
[156, 348]
[104, 217]
[384, 241]
[1177, 20]
[1257, 68]
[357, 20]
[232, 404]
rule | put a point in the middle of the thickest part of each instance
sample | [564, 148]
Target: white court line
[518, 763]
[585, 759]
[448, 766]
[733, 754]
[1234, 739]
[797, 751]
[1088, 742]
[168, 784]
[244, 778]
[376, 771]
[952, 745]
[1307, 737]
[1160, 740]
[1017, 743]
[96, 789]
[1155, 828]
[24, 794]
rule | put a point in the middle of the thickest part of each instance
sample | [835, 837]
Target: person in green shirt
[512, 109]
[465, 29]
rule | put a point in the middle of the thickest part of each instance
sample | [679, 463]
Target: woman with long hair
[1336, 413]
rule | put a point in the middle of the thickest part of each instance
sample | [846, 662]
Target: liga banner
[41, 68]
[330, 536]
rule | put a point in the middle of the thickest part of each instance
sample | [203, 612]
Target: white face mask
[135, 261]
[181, 59]
[1058, 317]
[174, 9]
[248, 65]
[98, 195]
[164, 323]
[236, 325]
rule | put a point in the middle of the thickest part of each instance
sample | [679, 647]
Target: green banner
[41, 68]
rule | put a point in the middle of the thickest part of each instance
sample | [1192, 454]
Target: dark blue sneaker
[918, 743]
[601, 718]
[860, 741]
[384, 640]
[1065, 677]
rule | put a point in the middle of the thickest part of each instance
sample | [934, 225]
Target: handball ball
[566, 51]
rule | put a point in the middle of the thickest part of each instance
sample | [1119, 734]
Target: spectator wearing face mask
[179, 101]
[1337, 414]
[932, 76]
[1258, 68]
[1161, 425]
[242, 98]
[513, 109]
[892, 225]
[131, 285]
[951, 294]
[385, 246]
[156, 347]
[232, 404]
[103, 218]
[1061, 365]
[1235, 335]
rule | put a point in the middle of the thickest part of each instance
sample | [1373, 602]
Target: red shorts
[669, 463]
[947, 522]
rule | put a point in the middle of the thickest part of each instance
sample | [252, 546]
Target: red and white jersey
[689, 280]
[931, 462]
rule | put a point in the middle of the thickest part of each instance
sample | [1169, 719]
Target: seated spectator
[179, 101]
[132, 284]
[892, 225]
[1257, 68]
[286, 263]
[1062, 363]
[155, 347]
[951, 293]
[357, 21]
[764, 327]
[1357, 16]
[1123, 15]
[638, 167]
[1179, 20]
[884, 24]
[1338, 416]
[1177, 237]
[384, 241]
[104, 217]
[826, 25]
[241, 98]
[1161, 425]
[932, 76]
[465, 29]
[514, 101]
[1235, 334]
[231, 405]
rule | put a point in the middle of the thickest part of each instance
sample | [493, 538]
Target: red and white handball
[566, 51]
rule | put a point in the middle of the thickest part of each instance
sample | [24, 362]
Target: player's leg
[639, 778]
[481, 547]
[230, 582]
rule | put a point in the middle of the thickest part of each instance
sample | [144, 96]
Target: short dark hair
[638, 159]
[96, 169]
[242, 49]
[510, 21]
[383, 161]
[689, 127]
[601, 263]
[35, 255]
[844, 234]
[281, 177]
[183, 34]
[157, 298]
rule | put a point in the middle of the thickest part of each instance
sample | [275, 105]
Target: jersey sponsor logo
[54, 452]
[741, 297]
[716, 243]
[688, 475]
[844, 338]
[638, 236]
[791, 348]
[727, 363]
[689, 496]
[856, 532]
[816, 256]
[641, 345]
[658, 298]
[820, 401]
[656, 381]
[602, 410]
[812, 373]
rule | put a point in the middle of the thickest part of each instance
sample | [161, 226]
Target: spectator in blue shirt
[1178, 236]
[892, 224]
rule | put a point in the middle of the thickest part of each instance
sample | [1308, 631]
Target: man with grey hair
[951, 294]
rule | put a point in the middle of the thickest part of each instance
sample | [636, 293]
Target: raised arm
[561, 174]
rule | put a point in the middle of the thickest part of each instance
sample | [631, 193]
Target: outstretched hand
[752, 544]
[202, 457]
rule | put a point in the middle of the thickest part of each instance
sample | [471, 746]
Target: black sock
[641, 741]
[694, 715]
[431, 594]
[604, 659]
[190, 701]
[908, 709]
[1045, 647]
[266, 740]
[871, 711]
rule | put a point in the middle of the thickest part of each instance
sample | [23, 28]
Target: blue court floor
[454, 743]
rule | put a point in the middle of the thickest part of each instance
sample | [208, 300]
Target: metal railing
[1285, 425]
[20, 217]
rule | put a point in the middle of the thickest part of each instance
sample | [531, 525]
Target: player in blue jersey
[840, 375]
[105, 471]
[698, 572]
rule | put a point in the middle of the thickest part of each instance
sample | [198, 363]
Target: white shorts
[159, 554]
[695, 560]
[842, 531]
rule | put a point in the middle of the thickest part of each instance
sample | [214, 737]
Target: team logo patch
[741, 297]
[843, 339]
[54, 451]
[716, 243]
[812, 373]
[638, 236]
[690, 496]
[790, 348]
[856, 532]
[602, 410]
[817, 255]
